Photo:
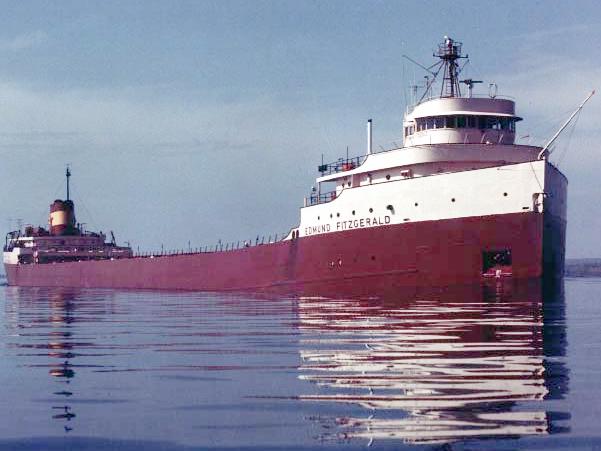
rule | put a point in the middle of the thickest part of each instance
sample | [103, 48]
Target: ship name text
[313, 230]
[363, 222]
[348, 225]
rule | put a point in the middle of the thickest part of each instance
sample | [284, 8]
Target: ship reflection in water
[50, 318]
[60, 347]
[383, 366]
[438, 367]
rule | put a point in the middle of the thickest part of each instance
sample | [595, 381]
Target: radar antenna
[470, 85]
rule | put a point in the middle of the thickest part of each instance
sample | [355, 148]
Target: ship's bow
[555, 222]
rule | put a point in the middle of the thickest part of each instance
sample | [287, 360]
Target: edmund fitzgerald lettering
[363, 222]
[317, 229]
[348, 225]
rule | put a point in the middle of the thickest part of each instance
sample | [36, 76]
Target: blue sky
[198, 121]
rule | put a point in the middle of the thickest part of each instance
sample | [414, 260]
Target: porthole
[416, 204]
[331, 215]
[348, 184]
[353, 212]
[505, 194]
[318, 218]
[371, 210]
[337, 215]
[387, 176]
[373, 257]
[389, 207]
[453, 199]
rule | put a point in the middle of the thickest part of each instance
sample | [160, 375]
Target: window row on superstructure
[462, 121]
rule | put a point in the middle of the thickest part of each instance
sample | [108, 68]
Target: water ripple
[229, 370]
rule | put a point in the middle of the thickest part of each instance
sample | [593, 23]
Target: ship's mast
[68, 174]
[449, 52]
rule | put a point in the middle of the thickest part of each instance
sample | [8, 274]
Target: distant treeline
[583, 267]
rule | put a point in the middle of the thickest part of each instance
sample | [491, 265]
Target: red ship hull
[431, 253]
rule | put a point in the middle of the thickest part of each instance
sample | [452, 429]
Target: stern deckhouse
[65, 240]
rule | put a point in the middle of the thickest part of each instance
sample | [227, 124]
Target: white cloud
[549, 83]
[548, 37]
[115, 118]
[23, 41]
[207, 154]
[549, 79]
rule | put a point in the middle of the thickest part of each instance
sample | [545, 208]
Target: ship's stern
[10, 260]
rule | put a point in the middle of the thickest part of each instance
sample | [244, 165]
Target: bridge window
[482, 122]
[462, 121]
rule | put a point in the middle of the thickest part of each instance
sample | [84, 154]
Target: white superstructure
[458, 159]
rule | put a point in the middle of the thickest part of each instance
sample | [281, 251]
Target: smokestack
[62, 218]
[369, 137]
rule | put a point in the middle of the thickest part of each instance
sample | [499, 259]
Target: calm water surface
[495, 367]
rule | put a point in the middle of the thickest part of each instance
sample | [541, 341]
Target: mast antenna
[545, 150]
[68, 174]
[427, 69]
[449, 52]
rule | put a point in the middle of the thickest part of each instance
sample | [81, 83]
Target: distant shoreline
[583, 267]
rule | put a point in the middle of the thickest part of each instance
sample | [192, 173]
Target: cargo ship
[458, 203]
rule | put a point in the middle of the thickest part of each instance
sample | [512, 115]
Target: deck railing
[218, 247]
[321, 198]
[341, 165]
